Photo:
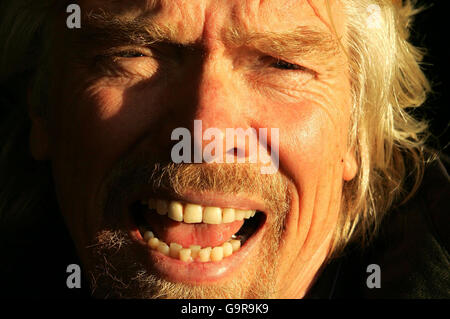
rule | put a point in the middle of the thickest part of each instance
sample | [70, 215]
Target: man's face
[134, 73]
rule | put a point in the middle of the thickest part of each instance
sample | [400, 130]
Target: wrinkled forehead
[198, 19]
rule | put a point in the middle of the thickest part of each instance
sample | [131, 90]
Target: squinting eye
[283, 65]
[130, 54]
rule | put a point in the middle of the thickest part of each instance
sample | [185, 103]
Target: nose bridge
[221, 108]
[217, 98]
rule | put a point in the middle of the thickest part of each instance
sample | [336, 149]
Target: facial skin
[125, 106]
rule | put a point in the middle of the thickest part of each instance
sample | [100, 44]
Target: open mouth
[193, 242]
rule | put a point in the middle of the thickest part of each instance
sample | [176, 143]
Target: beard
[117, 266]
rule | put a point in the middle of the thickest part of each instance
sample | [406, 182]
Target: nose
[220, 124]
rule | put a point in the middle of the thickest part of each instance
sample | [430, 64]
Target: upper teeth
[193, 213]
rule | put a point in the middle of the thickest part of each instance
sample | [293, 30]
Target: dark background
[431, 31]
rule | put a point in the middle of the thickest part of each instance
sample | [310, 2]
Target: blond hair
[386, 80]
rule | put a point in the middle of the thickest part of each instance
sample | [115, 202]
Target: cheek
[91, 127]
[310, 140]
[90, 134]
[312, 150]
[109, 123]
[101, 124]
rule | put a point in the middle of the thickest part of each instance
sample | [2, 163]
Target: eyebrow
[303, 42]
[105, 29]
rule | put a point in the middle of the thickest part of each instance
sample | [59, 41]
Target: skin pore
[133, 73]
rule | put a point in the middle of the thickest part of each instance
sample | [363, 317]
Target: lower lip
[196, 272]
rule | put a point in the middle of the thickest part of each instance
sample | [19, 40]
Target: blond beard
[118, 267]
[114, 276]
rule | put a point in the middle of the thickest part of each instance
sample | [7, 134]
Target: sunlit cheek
[309, 143]
[107, 102]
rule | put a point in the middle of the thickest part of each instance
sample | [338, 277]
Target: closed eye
[129, 54]
[279, 64]
[283, 65]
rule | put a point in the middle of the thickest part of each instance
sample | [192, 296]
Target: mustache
[137, 172]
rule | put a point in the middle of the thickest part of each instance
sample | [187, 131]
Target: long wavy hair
[386, 80]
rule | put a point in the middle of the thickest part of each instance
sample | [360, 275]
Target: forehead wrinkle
[317, 13]
[117, 7]
[336, 23]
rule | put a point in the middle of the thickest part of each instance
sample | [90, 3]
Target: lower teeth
[194, 252]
